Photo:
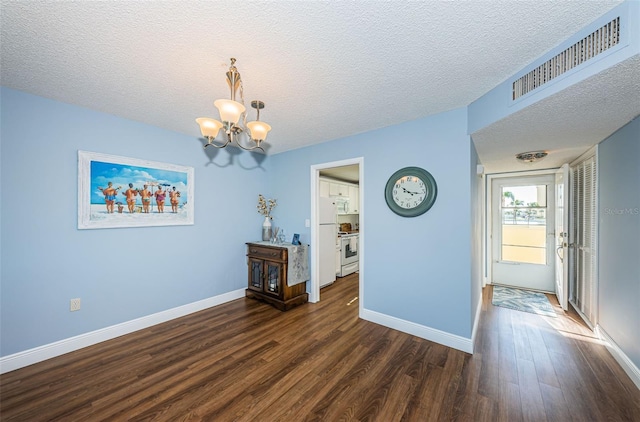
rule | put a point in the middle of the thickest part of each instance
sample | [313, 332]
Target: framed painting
[118, 191]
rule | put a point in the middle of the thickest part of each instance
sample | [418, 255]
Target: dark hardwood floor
[247, 361]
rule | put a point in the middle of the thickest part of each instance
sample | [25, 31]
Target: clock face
[410, 191]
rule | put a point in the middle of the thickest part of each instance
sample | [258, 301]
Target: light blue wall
[417, 269]
[619, 238]
[120, 274]
[498, 104]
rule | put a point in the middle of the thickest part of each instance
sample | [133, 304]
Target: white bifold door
[583, 238]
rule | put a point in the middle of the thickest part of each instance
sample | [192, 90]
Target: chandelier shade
[234, 118]
[258, 130]
[209, 127]
[230, 111]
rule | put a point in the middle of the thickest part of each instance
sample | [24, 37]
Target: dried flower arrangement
[265, 206]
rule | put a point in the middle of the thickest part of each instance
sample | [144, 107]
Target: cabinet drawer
[266, 252]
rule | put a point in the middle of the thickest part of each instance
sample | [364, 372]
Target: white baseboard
[427, 333]
[617, 353]
[48, 351]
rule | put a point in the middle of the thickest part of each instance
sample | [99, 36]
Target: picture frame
[296, 239]
[118, 192]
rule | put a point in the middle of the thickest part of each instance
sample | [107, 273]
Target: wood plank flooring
[247, 361]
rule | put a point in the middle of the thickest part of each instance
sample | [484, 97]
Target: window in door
[524, 224]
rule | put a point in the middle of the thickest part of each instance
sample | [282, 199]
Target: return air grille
[590, 46]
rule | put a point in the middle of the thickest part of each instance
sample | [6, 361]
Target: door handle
[558, 253]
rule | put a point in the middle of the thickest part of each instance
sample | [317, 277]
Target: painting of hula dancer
[128, 192]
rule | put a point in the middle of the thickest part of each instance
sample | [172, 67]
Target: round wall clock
[410, 191]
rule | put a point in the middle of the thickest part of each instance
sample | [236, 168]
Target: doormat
[522, 300]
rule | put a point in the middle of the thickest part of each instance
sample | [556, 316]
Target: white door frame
[562, 238]
[489, 214]
[314, 287]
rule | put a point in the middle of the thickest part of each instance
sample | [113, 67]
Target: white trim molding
[442, 337]
[51, 350]
[314, 285]
[476, 322]
[627, 365]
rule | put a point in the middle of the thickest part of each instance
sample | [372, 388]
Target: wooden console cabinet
[268, 277]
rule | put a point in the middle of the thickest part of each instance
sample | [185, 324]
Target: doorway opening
[522, 231]
[318, 173]
[542, 233]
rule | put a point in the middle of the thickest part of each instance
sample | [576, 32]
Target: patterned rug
[522, 300]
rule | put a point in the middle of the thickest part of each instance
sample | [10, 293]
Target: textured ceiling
[324, 69]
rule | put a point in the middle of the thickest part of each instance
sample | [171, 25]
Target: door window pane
[524, 224]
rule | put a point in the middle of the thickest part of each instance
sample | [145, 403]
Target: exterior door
[562, 236]
[523, 241]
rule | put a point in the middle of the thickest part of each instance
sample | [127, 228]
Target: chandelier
[231, 112]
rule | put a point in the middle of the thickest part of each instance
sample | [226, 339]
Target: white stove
[349, 255]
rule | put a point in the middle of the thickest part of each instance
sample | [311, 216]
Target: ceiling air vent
[590, 46]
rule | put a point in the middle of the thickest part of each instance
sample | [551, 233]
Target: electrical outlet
[75, 304]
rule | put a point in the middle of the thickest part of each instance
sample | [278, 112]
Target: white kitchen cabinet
[348, 191]
[338, 189]
[354, 199]
[324, 189]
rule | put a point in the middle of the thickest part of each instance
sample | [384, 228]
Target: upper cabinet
[348, 192]
[324, 188]
[338, 189]
[354, 199]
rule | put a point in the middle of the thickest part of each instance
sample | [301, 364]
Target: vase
[266, 229]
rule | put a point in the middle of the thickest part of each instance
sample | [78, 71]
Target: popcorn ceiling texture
[324, 69]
